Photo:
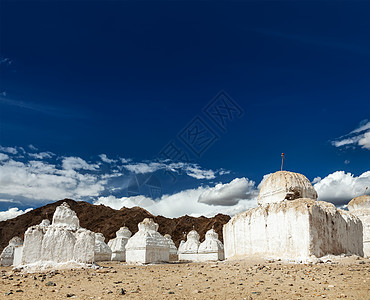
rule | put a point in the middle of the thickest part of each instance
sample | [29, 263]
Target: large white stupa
[360, 207]
[147, 245]
[290, 224]
[118, 244]
[61, 242]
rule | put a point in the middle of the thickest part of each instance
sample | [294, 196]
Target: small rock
[50, 283]
[171, 293]
[122, 292]
[19, 291]
[70, 295]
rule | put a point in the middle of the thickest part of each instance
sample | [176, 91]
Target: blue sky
[79, 79]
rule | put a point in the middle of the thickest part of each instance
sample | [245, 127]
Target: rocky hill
[100, 218]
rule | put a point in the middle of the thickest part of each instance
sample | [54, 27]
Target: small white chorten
[102, 250]
[360, 207]
[173, 249]
[118, 244]
[211, 248]
[61, 242]
[7, 256]
[147, 245]
[189, 250]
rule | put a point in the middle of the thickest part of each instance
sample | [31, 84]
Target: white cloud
[4, 156]
[12, 213]
[142, 168]
[186, 201]
[197, 173]
[229, 194]
[125, 160]
[32, 147]
[37, 180]
[11, 150]
[77, 163]
[41, 155]
[340, 187]
[105, 159]
[190, 169]
[357, 137]
[365, 140]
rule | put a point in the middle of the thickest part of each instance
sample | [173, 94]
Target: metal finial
[282, 161]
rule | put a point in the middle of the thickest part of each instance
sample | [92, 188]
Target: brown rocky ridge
[100, 218]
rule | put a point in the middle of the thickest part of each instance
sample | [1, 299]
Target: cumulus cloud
[12, 213]
[32, 147]
[357, 137]
[229, 194]
[105, 159]
[340, 187]
[77, 163]
[190, 169]
[230, 198]
[41, 155]
[40, 177]
[37, 180]
[11, 150]
[4, 156]
[364, 142]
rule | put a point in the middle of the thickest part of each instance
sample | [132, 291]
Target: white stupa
[211, 248]
[61, 242]
[7, 256]
[173, 249]
[189, 249]
[147, 245]
[360, 207]
[102, 250]
[287, 226]
[118, 244]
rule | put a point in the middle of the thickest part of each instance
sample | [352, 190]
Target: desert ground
[344, 278]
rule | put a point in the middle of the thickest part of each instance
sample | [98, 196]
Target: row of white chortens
[289, 223]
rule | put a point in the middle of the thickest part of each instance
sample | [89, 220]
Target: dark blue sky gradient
[124, 78]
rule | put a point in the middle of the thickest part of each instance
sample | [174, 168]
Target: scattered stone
[122, 292]
[70, 295]
[50, 283]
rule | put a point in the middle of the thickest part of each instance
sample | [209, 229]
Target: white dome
[284, 185]
[359, 202]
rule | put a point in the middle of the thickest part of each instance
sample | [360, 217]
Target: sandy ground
[242, 279]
